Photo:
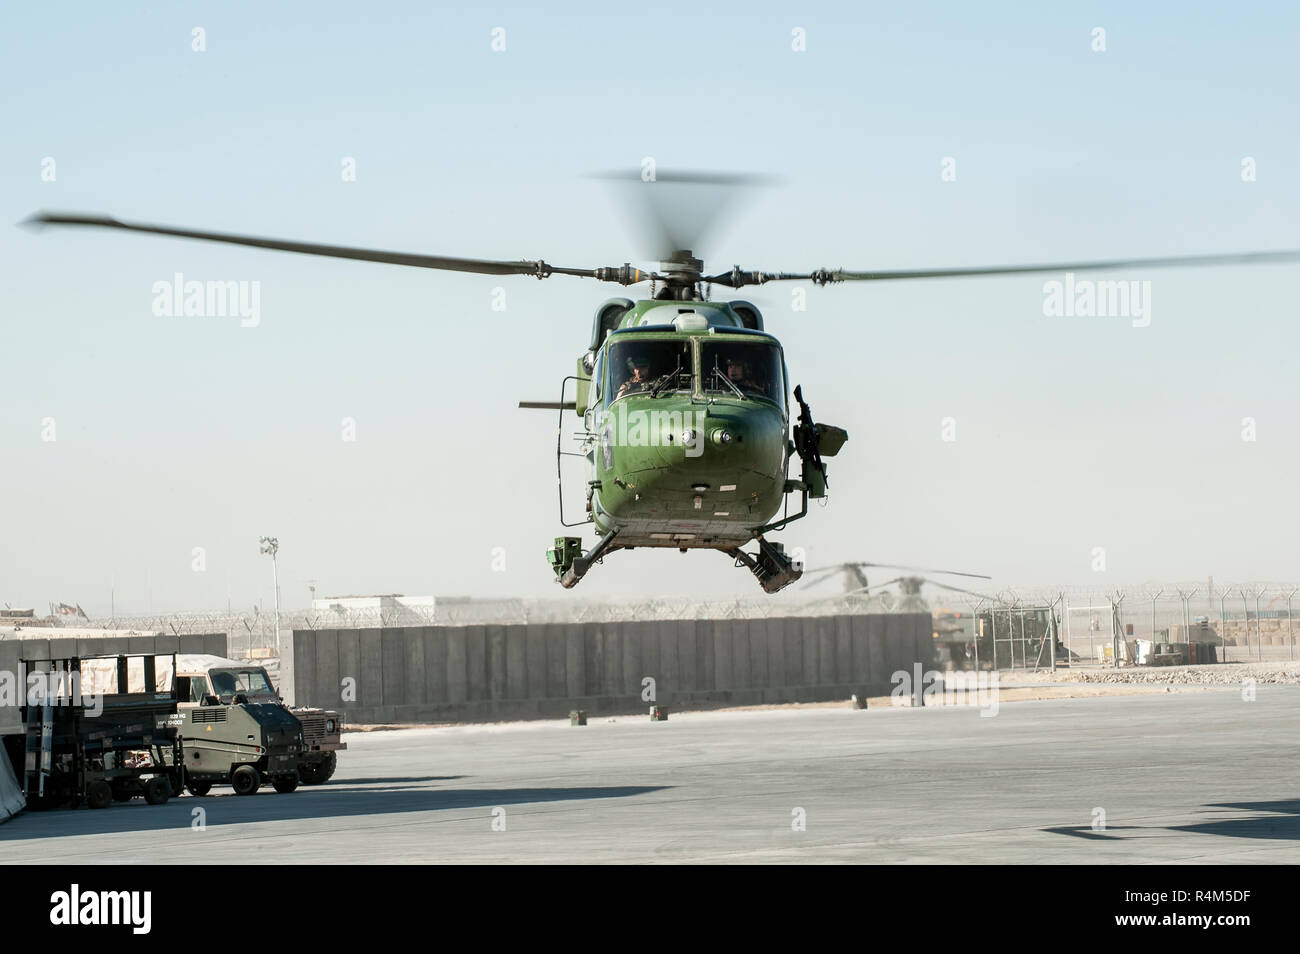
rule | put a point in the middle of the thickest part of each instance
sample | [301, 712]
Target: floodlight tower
[271, 545]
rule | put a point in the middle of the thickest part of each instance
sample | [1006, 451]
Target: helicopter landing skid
[570, 567]
[770, 565]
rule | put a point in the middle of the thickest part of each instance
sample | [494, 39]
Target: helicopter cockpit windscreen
[743, 369]
[648, 366]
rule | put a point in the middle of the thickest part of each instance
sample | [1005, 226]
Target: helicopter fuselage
[686, 426]
[686, 468]
[686, 436]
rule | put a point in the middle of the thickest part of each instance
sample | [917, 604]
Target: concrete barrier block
[301, 667]
[535, 648]
[392, 648]
[634, 660]
[111, 646]
[134, 645]
[575, 661]
[414, 691]
[553, 638]
[349, 656]
[495, 639]
[784, 634]
[825, 628]
[843, 671]
[63, 648]
[669, 679]
[688, 661]
[476, 676]
[611, 678]
[760, 672]
[517, 668]
[326, 676]
[646, 638]
[876, 653]
[807, 626]
[457, 665]
[192, 643]
[435, 664]
[923, 647]
[593, 659]
[705, 659]
[10, 657]
[769, 632]
[724, 674]
[370, 685]
[898, 643]
[742, 654]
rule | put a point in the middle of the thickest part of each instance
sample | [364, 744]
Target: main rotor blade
[737, 277]
[624, 275]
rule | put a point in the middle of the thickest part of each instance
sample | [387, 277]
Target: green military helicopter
[688, 431]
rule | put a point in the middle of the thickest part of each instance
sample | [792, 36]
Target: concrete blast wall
[490, 672]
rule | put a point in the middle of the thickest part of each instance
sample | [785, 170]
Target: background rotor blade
[548, 405]
[924, 569]
[891, 566]
[957, 589]
[860, 589]
[624, 275]
[809, 576]
[678, 210]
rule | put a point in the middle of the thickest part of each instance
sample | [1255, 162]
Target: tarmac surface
[1181, 777]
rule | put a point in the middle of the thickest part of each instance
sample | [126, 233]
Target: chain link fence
[1242, 622]
[1005, 628]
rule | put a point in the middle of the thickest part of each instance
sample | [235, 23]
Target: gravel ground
[1223, 674]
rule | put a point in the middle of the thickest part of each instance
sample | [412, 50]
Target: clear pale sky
[1072, 433]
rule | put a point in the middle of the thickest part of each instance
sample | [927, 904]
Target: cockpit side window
[648, 366]
[743, 369]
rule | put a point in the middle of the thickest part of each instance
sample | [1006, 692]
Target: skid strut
[579, 565]
[770, 565]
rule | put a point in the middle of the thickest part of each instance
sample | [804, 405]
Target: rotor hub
[682, 267]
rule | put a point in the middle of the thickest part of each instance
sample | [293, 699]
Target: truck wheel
[285, 784]
[198, 789]
[157, 790]
[318, 773]
[99, 794]
[246, 780]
